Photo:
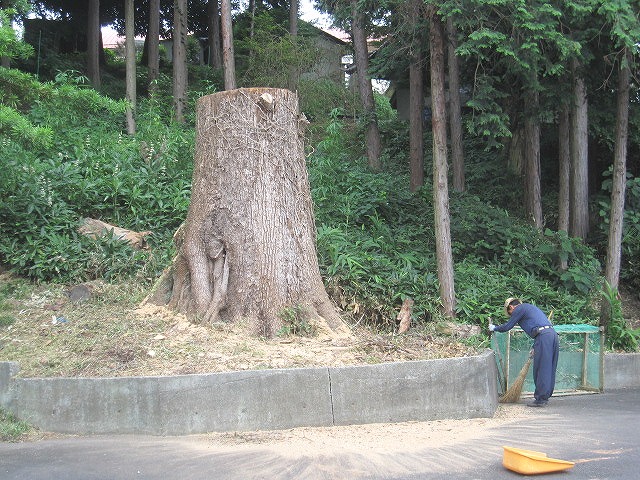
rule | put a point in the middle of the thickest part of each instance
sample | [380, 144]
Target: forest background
[69, 152]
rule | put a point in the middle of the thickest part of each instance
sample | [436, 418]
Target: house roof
[111, 39]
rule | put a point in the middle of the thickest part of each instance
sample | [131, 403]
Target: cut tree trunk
[247, 251]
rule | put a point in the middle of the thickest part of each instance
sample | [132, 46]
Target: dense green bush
[90, 168]
[375, 238]
[376, 245]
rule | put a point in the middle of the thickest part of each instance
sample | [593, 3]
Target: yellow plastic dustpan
[529, 462]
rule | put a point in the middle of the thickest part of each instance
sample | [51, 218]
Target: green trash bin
[580, 364]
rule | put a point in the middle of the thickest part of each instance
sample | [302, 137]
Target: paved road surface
[601, 433]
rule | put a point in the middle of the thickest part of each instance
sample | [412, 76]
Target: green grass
[6, 320]
[12, 429]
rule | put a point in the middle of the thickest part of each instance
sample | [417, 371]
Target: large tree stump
[248, 246]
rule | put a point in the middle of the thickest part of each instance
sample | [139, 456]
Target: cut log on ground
[96, 228]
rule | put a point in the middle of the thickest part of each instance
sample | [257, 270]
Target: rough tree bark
[293, 18]
[228, 56]
[247, 249]
[579, 210]
[564, 168]
[130, 55]
[215, 44]
[93, 43]
[153, 44]
[416, 99]
[416, 137]
[455, 109]
[442, 218]
[564, 175]
[180, 73]
[361, 53]
[618, 186]
[532, 194]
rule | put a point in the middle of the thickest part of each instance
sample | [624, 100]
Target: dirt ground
[631, 306]
[377, 436]
[111, 333]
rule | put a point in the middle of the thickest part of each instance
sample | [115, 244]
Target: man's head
[511, 303]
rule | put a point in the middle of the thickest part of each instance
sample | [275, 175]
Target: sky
[309, 14]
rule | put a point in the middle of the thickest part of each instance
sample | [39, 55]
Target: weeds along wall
[580, 364]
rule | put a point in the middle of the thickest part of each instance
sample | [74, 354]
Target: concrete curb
[255, 400]
[270, 399]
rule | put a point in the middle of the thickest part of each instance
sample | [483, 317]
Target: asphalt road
[600, 433]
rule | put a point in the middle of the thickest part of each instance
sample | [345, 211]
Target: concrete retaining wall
[255, 400]
[621, 370]
[270, 399]
[400, 392]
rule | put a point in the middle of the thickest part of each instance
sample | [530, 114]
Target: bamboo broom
[512, 395]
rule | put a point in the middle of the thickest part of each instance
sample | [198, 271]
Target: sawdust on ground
[105, 335]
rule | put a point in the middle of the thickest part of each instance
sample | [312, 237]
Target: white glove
[492, 327]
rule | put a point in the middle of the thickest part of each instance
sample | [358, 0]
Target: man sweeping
[545, 346]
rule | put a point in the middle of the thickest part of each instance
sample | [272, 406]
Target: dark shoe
[537, 403]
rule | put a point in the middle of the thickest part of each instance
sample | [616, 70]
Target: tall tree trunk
[564, 174]
[455, 110]
[618, 186]
[533, 199]
[153, 44]
[130, 61]
[564, 169]
[248, 244]
[293, 18]
[442, 221]
[93, 43]
[228, 58]
[412, 15]
[361, 53]
[416, 139]
[579, 210]
[293, 78]
[515, 150]
[215, 48]
[179, 59]
[252, 23]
